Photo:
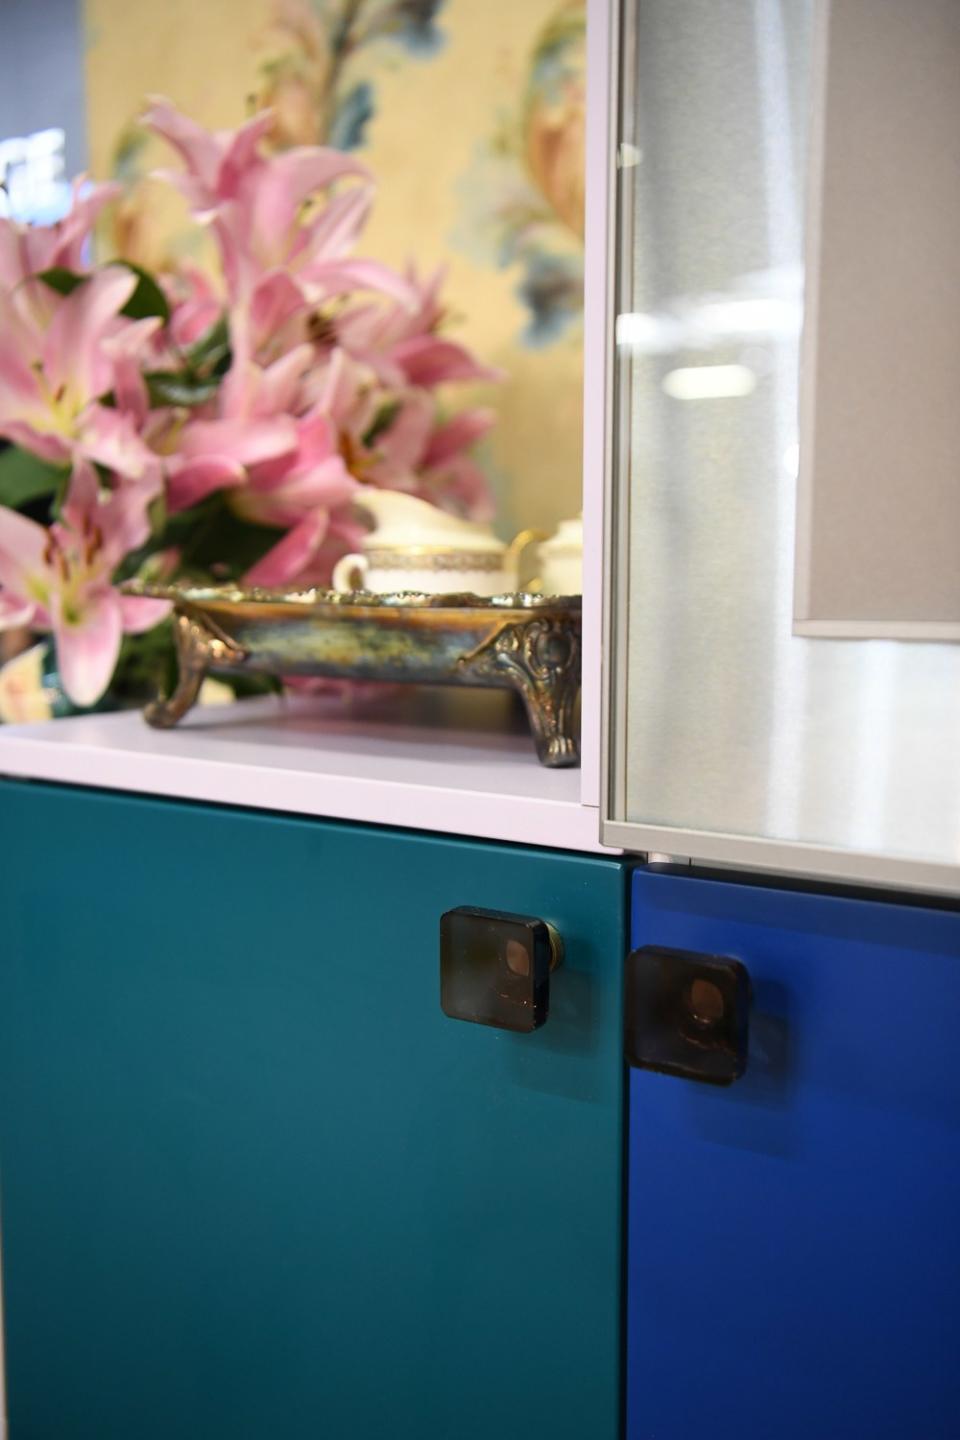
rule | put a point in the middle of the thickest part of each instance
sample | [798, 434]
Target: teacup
[417, 547]
[429, 570]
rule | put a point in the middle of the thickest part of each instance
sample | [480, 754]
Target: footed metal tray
[529, 643]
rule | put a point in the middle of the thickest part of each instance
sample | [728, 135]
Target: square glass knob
[687, 1014]
[495, 968]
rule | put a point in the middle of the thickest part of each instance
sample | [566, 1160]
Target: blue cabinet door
[254, 1182]
[794, 1240]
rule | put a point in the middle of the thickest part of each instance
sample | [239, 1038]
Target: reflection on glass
[732, 724]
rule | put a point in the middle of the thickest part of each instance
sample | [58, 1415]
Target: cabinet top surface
[429, 762]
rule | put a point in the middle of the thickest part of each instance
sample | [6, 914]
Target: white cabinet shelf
[454, 763]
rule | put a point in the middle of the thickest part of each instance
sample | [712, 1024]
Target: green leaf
[382, 421]
[212, 347]
[173, 387]
[157, 513]
[220, 544]
[146, 665]
[24, 477]
[60, 279]
[215, 544]
[63, 485]
[148, 299]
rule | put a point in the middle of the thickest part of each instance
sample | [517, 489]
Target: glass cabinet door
[730, 737]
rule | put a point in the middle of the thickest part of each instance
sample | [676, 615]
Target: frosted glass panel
[878, 549]
[727, 727]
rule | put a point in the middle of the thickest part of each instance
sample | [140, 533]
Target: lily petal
[340, 276]
[427, 360]
[22, 546]
[247, 441]
[328, 484]
[462, 480]
[279, 381]
[284, 562]
[72, 353]
[52, 448]
[140, 614]
[23, 697]
[196, 193]
[119, 519]
[266, 391]
[15, 612]
[293, 177]
[286, 502]
[110, 438]
[200, 150]
[403, 443]
[193, 318]
[241, 151]
[12, 267]
[458, 434]
[126, 349]
[124, 519]
[276, 299]
[68, 236]
[338, 226]
[18, 382]
[192, 480]
[83, 496]
[88, 647]
[317, 438]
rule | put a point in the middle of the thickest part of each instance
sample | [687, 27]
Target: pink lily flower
[286, 490]
[412, 452]
[59, 579]
[376, 329]
[259, 208]
[27, 250]
[310, 490]
[53, 378]
[348, 392]
[289, 559]
[252, 424]
[457, 435]
[402, 345]
[307, 554]
[195, 305]
[430, 360]
[450, 474]
[433, 461]
[301, 491]
[397, 453]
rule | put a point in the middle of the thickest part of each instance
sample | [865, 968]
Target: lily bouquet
[215, 427]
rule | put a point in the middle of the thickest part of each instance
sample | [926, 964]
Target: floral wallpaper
[471, 118]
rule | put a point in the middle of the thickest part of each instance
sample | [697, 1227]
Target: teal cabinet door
[254, 1182]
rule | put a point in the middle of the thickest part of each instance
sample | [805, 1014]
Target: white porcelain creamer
[561, 559]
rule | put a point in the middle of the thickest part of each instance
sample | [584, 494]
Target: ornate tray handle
[199, 649]
[541, 659]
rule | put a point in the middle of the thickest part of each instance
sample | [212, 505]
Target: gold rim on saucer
[433, 557]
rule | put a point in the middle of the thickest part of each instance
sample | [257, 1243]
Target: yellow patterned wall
[457, 140]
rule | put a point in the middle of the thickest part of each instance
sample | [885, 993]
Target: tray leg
[540, 658]
[197, 650]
